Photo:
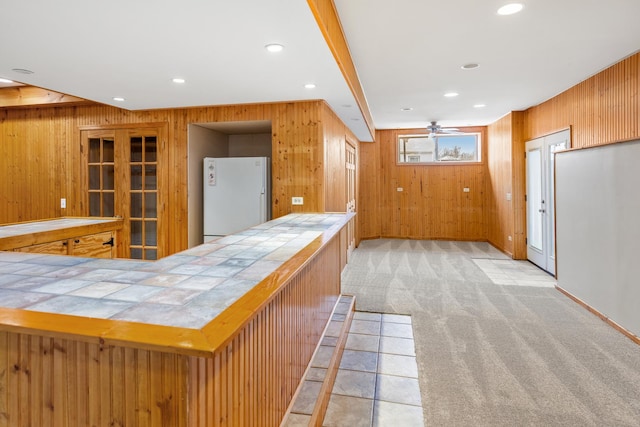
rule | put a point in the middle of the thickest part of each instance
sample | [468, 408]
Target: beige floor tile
[322, 357]
[363, 315]
[316, 374]
[395, 345]
[355, 383]
[365, 327]
[396, 318]
[362, 342]
[297, 420]
[334, 328]
[398, 390]
[359, 360]
[347, 411]
[396, 330]
[306, 399]
[393, 364]
[388, 414]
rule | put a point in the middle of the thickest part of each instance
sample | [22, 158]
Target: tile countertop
[21, 234]
[185, 290]
[31, 227]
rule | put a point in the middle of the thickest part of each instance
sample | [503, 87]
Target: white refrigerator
[237, 194]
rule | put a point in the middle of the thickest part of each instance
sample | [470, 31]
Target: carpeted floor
[496, 344]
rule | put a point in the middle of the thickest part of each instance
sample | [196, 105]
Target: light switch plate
[297, 201]
[466, 189]
[399, 189]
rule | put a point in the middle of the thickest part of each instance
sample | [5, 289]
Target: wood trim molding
[633, 337]
[320, 410]
[329, 23]
[31, 96]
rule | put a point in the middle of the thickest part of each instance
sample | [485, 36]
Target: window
[439, 148]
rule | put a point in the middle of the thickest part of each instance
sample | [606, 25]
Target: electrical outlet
[466, 189]
[297, 201]
[63, 203]
[399, 189]
[509, 237]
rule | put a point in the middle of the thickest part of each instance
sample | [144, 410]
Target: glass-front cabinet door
[122, 180]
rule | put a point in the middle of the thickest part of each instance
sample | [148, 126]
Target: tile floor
[377, 381]
[515, 273]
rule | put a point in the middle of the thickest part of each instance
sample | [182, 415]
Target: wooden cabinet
[59, 247]
[87, 237]
[100, 245]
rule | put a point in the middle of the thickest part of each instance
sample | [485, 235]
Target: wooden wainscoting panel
[499, 183]
[252, 379]
[369, 209]
[600, 110]
[52, 381]
[432, 204]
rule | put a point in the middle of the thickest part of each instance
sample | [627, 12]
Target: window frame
[407, 162]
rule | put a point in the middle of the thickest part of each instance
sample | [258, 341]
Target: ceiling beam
[31, 96]
[326, 16]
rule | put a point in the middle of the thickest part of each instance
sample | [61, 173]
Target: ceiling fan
[434, 128]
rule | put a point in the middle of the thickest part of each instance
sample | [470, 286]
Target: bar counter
[219, 334]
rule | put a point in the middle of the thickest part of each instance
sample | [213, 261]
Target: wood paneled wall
[249, 380]
[504, 168]
[499, 183]
[600, 110]
[335, 139]
[40, 159]
[62, 382]
[369, 221]
[432, 204]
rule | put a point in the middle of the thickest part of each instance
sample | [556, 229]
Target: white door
[540, 198]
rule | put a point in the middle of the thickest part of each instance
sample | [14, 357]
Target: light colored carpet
[492, 351]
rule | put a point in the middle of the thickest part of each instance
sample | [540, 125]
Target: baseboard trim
[633, 337]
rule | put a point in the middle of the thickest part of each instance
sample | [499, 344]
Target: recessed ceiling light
[451, 94]
[469, 66]
[22, 71]
[274, 47]
[118, 98]
[406, 109]
[479, 105]
[5, 80]
[510, 9]
[178, 80]
[310, 86]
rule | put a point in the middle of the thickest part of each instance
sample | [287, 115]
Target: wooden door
[123, 179]
[350, 165]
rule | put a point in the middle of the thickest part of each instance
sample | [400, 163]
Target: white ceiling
[408, 53]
